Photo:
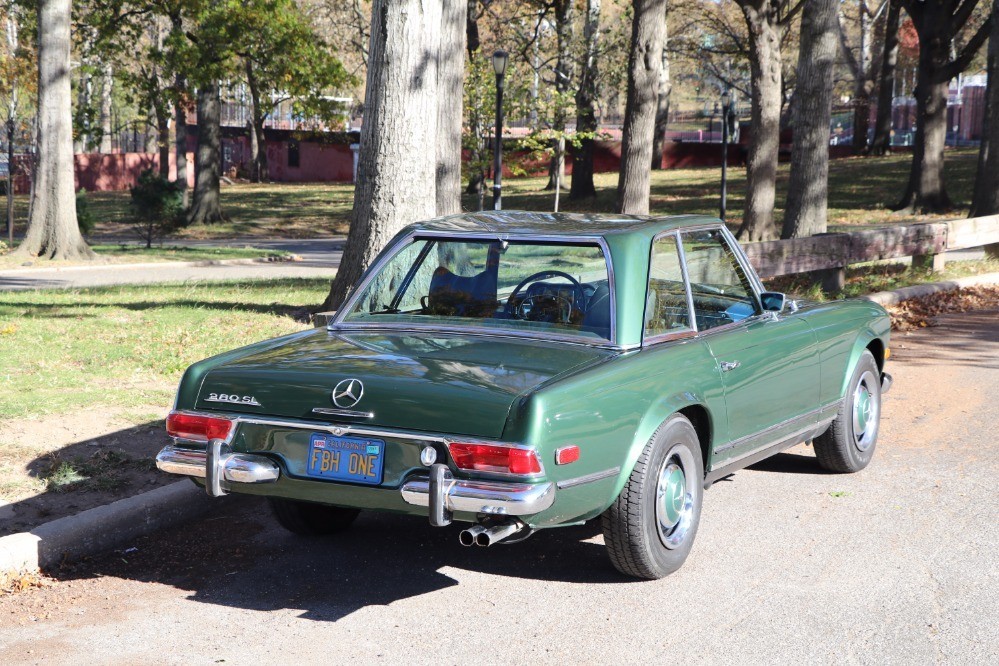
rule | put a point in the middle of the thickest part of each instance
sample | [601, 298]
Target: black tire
[840, 448]
[638, 543]
[310, 519]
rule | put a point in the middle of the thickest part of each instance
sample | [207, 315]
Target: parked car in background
[520, 371]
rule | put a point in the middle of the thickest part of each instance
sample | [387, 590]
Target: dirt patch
[60, 465]
[917, 313]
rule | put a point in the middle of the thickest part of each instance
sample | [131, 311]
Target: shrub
[84, 216]
[157, 206]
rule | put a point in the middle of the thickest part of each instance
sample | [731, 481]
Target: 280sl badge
[232, 398]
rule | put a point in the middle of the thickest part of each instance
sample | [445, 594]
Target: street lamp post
[728, 115]
[500, 59]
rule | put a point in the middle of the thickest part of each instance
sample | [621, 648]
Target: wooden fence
[828, 255]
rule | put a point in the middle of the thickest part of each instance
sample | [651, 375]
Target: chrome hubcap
[675, 497]
[866, 409]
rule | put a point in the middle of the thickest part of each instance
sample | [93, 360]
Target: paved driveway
[897, 564]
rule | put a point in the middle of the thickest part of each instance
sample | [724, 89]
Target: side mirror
[773, 301]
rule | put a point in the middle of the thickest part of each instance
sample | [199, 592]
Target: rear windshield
[557, 289]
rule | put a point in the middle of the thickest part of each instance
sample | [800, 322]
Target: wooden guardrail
[828, 255]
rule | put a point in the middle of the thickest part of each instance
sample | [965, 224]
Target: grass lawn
[130, 253]
[860, 189]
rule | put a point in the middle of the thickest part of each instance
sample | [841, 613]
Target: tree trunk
[450, 84]
[926, 191]
[985, 200]
[764, 142]
[259, 171]
[648, 37]
[586, 117]
[180, 118]
[53, 232]
[107, 83]
[163, 139]
[863, 85]
[807, 191]
[662, 108]
[206, 208]
[563, 79]
[881, 144]
[396, 183]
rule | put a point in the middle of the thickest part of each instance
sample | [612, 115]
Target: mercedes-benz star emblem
[347, 393]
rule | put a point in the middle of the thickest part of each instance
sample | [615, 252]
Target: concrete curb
[886, 298]
[102, 528]
[154, 264]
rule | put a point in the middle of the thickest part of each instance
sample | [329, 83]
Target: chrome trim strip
[686, 280]
[347, 329]
[338, 324]
[691, 330]
[494, 498]
[588, 478]
[763, 433]
[340, 430]
[236, 467]
[773, 442]
[330, 411]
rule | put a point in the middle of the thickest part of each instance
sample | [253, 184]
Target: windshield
[558, 289]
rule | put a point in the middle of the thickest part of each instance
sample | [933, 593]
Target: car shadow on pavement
[239, 557]
[789, 463]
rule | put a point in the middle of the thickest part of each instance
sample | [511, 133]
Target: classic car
[519, 371]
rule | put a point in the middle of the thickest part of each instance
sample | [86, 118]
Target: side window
[666, 309]
[721, 290]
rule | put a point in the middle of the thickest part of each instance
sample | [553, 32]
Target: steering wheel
[579, 295]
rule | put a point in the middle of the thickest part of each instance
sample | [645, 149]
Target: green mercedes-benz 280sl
[517, 371]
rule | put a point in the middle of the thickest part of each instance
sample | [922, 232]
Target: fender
[864, 339]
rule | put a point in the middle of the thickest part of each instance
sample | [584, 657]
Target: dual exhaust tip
[480, 535]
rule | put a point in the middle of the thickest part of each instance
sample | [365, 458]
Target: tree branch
[962, 12]
[851, 60]
[963, 59]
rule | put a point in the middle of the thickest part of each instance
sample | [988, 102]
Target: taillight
[197, 427]
[491, 458]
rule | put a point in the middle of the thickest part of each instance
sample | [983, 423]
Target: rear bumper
[220, 467]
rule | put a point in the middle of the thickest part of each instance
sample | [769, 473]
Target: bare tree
[53, 232]
[450, 80]
[648, 38]
[396, 182]
[564, 18]
[881, 143]
[586, 116]
[986, 197]
[937, 23]
[861, 66]
[811, 111]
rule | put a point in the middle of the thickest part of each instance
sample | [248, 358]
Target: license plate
[353, 459]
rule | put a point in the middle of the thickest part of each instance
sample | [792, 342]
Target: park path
[896, 563]
[320, 258]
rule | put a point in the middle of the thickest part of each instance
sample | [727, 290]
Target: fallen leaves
[22, 581]
[917, 313]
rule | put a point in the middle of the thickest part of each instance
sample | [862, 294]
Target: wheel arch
[867, 340]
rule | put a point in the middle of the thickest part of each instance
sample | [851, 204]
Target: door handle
[729, 365]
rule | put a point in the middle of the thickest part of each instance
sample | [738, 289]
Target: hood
[449, 384]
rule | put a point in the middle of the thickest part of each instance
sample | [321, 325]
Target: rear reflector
[491, 458]
[566, 455]
[197, 427]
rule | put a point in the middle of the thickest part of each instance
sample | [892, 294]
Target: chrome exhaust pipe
[493, 535]
[468, 537]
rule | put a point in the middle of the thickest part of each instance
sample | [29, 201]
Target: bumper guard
[218, 465]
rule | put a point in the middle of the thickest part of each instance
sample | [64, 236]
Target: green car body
[749, 388]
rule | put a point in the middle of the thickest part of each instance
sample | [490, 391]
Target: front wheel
[848, 444]
[650, 527]
[310, 519]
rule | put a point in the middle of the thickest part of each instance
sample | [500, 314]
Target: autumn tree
[939, 24]
[811, 112]
[53, 232]
[648, 37]
[861, 64]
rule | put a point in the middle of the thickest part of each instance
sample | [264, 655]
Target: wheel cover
[675, 491]
[866, 411]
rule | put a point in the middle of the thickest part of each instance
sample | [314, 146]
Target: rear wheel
[650, 527]
[310, 519]
[848, 444]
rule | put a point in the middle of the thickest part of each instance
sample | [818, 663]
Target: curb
[155, 264]
[886, 298]
[102, 528]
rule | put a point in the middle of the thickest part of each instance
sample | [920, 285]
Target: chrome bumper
[217, 465]
[886, 381]
[490, 497]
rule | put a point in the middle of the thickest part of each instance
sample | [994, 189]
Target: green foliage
[84, 216]
[157, 205]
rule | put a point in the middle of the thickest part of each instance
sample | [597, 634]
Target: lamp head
[500, 60]
[726, 99]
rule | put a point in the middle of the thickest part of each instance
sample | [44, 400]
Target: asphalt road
[896, 564]
[320, 258]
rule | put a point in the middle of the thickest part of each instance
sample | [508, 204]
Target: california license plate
[354, 459]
